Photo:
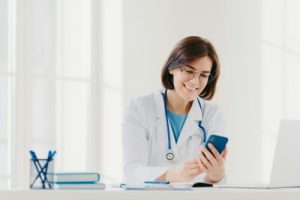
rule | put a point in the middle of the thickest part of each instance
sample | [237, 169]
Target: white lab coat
[145, 137]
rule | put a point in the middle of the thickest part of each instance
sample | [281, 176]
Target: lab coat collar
[194, 114]
[191, 124]
[159, 101]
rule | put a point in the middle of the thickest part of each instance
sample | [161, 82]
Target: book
[73, 177]
[78, 186]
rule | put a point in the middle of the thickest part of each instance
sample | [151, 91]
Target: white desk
[117, 194]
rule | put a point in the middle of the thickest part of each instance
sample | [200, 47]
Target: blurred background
[69, 67]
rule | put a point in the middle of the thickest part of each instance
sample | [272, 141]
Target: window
[60, 86]
[280, 68]
[7, 77]
[112, 89]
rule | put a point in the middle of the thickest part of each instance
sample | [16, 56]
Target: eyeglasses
[188, 74]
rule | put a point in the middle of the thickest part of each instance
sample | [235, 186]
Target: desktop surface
[116, 194]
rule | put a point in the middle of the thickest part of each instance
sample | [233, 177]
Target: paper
[176, 186]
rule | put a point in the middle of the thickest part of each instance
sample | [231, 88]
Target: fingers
[188, 162]
[212, 162]
[191, 169]
[208, 155]
[206, 162]
[191, 165]
[225, 152]
[202, 166]
[215, 152]
[195, 172]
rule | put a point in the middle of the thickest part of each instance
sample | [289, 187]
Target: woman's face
[190, 79]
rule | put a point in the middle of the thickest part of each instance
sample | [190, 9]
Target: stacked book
[77, 180]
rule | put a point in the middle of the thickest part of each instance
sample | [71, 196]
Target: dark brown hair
[186, 51]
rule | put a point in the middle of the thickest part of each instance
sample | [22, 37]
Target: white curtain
[6, 80]
[280, 55]
[61, 79]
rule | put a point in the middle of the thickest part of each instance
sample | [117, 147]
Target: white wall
[113, 50]
[152, 28]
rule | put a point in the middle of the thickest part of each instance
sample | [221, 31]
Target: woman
[163, 132]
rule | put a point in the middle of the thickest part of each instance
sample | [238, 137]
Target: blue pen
[54, 152]
[35, 162]
[49, 158]
[157, 182]
[41, 169]
[45, 167]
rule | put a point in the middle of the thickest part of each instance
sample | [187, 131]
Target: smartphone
[218, 141]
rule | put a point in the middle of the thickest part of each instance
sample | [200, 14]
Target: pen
[49, 158]
[34, 160]
[42, 170]
[157, 182]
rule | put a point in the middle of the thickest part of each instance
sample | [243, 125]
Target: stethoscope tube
[166, 114]
[170, 154]
[200, 123]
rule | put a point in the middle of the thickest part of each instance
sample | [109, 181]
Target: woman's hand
[213, 164]
[186, 171]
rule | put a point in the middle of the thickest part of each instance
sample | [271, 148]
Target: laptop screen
[286, 162]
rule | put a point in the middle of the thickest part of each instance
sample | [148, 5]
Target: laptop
[286, 162]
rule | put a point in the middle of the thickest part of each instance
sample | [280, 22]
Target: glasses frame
[210, 78]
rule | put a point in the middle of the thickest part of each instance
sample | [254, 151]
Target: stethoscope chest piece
[170, 156]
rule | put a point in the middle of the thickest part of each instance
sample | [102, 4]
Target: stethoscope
[170, 154]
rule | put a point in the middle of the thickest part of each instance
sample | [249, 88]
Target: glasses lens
[187, 73]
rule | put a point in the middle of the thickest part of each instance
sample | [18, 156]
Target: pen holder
[39, 168]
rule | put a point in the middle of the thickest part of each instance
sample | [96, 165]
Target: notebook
[285, 172]
[79, 186]
[74, 177]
